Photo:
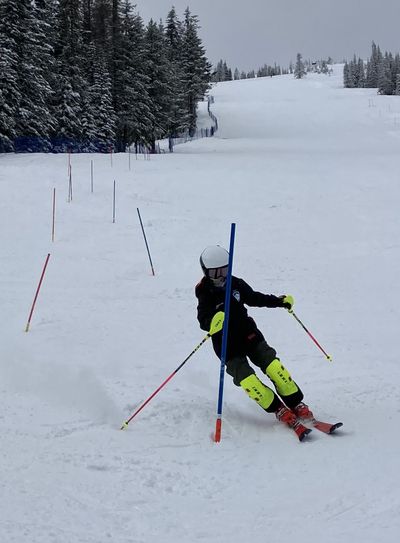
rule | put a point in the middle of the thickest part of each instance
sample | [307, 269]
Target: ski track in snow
[309, 173]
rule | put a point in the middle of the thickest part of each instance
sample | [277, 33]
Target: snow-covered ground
[309, 172]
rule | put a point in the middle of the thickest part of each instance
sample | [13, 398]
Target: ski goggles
[216, 273]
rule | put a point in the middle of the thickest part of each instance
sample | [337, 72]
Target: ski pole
[328, 356]
[215, 328]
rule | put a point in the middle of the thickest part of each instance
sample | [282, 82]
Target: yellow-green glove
[287, 301]
[217, 323]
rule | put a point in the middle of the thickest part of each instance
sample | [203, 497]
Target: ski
[326, 427]
[306, 416]
[301, 430]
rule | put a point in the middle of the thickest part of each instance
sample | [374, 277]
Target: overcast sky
[250, 33]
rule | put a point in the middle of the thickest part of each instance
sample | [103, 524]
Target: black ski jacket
[243, 332]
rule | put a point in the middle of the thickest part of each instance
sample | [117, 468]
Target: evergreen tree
[47, 17]
[347, 78]
[99, 119]
[219, 73]
[373, 67]
[354, 73]
[236, 74]
[72, 83]
[395, 70]
[35, 121]
[361, 73]
[26, 62]
[10, 95]
[158, 83]
[196, 68]
[269, 71]
[133, 103]
[324, 67]
[82, 74]
[88, 22]
[385, 83]
[299, 70]
[222, 72]
[397, 90]
[179, 119]
[173, 33]
[99, 23]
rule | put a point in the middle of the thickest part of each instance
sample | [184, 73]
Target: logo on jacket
[236, 295]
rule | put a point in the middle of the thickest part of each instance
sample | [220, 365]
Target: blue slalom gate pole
[218, 424]
[145, 240]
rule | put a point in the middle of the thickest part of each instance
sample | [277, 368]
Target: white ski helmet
[214, 262]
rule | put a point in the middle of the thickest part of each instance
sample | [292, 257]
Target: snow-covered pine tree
[133, 104]
[173, 32]
[227, 72]
[101, 24]
[10, 95]
[299, 69]
[354, 73]
[361, 73]
[347, 76]
[99, 119]
[158, 86]
[222, 72]
[385, 83]
[236, 74]
[196, 68]
[373, 67]
[88, 22]
[219, 72]
[72, 85]
[324, 67]
[56, 58]
[47, 16]
[397, 90]
[179, 119]
[263, 71]
[88, 119]
[395, 70]
[269, 71]
[35, 121]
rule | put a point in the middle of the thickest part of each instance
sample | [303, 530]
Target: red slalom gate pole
[37, 293]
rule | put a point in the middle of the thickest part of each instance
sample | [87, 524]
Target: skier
[245, 341]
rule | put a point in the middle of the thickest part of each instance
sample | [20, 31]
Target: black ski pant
[261, 355]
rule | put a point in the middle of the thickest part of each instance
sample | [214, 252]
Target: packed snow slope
[309, 172]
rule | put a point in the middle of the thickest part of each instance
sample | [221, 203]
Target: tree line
[89, 75]
[222, 72]
[381, 71]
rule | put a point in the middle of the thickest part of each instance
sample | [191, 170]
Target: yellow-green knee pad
[281, 378]
[258, 391]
